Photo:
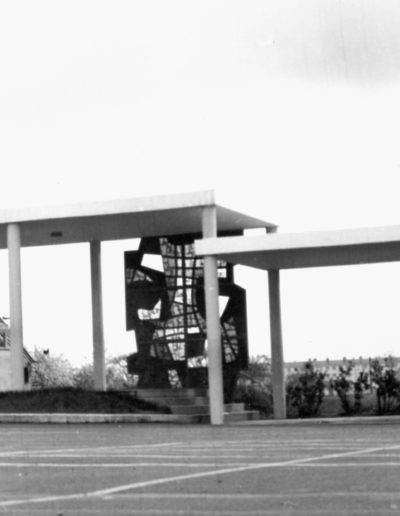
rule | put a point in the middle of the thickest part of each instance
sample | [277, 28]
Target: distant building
[5, 360]
[332, 367]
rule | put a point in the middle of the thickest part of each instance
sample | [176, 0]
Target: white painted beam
[108, 208]
[120, 219]
[308, 249]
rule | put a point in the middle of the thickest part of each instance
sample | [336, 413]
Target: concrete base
[195, 403]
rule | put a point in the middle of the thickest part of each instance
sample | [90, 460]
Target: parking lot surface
[199, 470]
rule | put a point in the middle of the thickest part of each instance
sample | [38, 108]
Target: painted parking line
[256, 458]
[190, 476]
[351, 465]
[117, 465]
[239, 469]
[254, 496]
[130, 450]
[143, 456]
[288, 508]
[96, 449]
[108, 465]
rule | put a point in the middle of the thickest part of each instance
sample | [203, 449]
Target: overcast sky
[289, 109]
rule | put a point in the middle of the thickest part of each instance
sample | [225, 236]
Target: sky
[288, 109]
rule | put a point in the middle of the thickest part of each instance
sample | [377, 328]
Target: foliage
[71, 400]
[50, 371]
[347, 389]
[117, 376]
[361, 385]
[253, 386]
[386, 381]
[305, 390]
[117, 373]
[343, 386]
[83, 377]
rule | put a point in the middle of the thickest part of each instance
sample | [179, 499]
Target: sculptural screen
[165, 307]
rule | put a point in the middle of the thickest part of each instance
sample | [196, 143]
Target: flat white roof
[120, 219]
[308, 249]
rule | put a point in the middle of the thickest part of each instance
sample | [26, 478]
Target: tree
[305, 390]
[385, 378]
[253, 386]
[117, 373]
[345, 386]
[49, 371]
[117, 376]
[83, 377]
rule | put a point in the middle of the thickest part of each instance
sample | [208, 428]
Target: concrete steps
[193, 405]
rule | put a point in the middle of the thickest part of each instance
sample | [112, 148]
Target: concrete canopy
[114, 220]
[308, 249]
[120, 219]
[273, 252]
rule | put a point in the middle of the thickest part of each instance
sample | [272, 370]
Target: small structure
[5, 360]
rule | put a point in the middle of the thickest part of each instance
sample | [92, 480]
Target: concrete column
[16, 331]
[99, 365]
[277, 362]
[211, 292]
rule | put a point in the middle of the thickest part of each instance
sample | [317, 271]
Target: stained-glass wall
[165, 307]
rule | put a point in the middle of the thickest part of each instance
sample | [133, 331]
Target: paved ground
[199, 470]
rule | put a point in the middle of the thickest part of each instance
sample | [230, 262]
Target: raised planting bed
[70, 400]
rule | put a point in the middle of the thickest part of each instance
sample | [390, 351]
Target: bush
[305, 390]
[342, 385]
[70, 400]
[117, 376]
[50, 371]
[386, 381]
[361, 385]
[53, 371]
[253, 386]
[350, 392]
[84, 378]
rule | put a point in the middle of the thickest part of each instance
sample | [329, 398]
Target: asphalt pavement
[172, 469]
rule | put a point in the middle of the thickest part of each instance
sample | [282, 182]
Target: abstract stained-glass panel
[165, 307]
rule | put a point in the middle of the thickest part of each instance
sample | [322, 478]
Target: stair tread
[193, 404]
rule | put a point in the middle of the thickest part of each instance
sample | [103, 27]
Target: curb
[366, 420]
[75, 418]
[49, 418]
[59, 418]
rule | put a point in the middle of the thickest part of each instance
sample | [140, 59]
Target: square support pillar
[16, 326]
[211, 293]
[277, 361]
[99, 365]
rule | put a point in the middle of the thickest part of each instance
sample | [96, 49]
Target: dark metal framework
[166, 308]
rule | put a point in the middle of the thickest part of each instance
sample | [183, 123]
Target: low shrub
[50, 371]
[305, 390]
[350, 392]
[342, 385]
[386, 381]
[71, 400]
[253, 386]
